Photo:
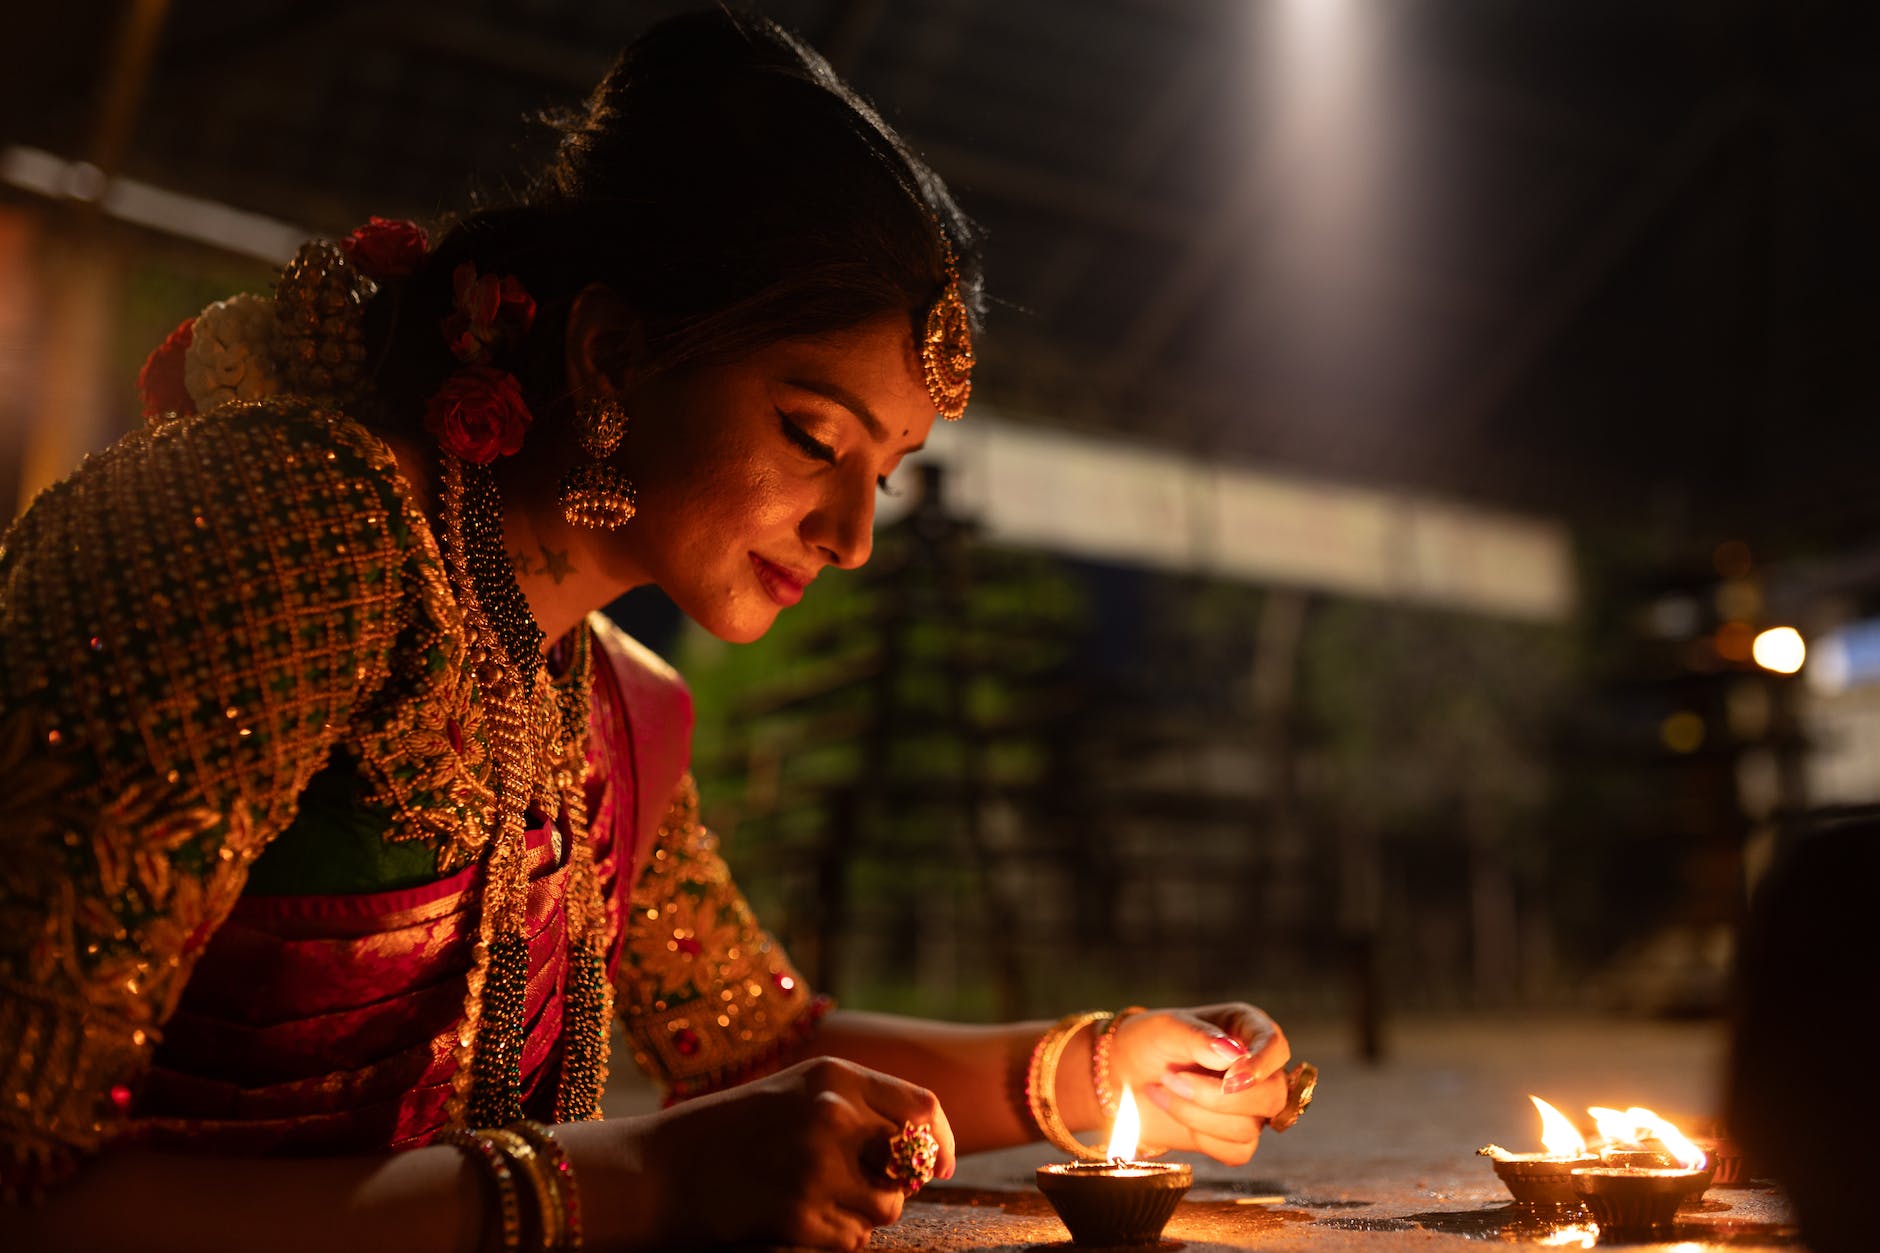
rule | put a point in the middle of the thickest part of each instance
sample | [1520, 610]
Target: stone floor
[1385, 1160]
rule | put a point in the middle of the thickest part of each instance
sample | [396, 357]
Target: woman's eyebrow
[848, 400]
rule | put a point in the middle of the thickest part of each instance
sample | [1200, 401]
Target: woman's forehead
[876, 358]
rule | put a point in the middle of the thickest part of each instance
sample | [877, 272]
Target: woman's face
[754, 476]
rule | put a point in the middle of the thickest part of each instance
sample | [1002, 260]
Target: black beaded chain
[495, 577]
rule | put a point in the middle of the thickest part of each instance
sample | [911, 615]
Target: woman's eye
[807, 442]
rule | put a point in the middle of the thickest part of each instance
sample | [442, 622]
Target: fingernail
[1227, 1046]
[1158, 1094]
[1179, 1084]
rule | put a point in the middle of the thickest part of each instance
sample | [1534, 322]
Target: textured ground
[1385, 1158]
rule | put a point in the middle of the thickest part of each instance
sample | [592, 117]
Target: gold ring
[913, 1156]
[1301, 1082]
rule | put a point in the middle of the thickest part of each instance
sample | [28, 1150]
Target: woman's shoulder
[247, 469]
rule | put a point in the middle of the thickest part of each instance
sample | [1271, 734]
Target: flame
[1638, 1126]
[1127, 1130]
[1577, 1236]
[1560, 1137]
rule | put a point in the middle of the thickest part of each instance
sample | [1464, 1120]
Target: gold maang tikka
[946, 347]
[593, 493]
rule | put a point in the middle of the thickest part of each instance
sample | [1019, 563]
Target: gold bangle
[1100, 1061]
[533, 1168]
[494, 1167]
[561, 1175]
[1041, 1082]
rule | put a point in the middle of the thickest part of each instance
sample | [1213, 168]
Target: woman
[340, 827]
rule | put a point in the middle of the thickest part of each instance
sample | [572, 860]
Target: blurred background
[1413, 545]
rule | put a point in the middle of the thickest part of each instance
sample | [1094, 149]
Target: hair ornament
[488, 312]
[386, 248]
[946, 348]
[479, 413]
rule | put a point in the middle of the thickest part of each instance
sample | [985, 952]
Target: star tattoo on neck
[555, 563]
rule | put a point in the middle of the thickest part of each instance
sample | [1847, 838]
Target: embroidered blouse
[245, 787]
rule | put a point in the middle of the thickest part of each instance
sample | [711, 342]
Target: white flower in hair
[229, 357]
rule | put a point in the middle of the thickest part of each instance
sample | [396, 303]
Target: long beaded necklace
[538, 759]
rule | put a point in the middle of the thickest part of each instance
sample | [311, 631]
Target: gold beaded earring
[593, 493]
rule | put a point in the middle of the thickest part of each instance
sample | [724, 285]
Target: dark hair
[724, 181]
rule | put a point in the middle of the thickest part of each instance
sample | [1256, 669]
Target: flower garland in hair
[479, 413]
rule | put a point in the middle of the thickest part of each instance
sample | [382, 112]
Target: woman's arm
[423, 1201]
[1208, 1078]
[977, 1071]
[800, 1144]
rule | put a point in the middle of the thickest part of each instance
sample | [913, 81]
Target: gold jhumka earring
[593, 493]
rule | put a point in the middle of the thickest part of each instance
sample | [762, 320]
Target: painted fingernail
[1227, 1046]
[1179, 1084]
[1157, 1093]
[1239, 1079]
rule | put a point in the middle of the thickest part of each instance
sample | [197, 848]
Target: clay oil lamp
[1118, 1200]
[1544, 1179]
[1647, 1170]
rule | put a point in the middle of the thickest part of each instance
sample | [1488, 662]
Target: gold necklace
[538, 752]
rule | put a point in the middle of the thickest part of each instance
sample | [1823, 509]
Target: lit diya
[1119, 1200]
[1544, 1178]
[1647, 1170]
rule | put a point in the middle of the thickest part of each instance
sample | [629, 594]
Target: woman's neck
[558, 567]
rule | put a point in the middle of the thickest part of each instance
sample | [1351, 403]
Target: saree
[241, 865]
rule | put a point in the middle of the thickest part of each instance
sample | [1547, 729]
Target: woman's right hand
[793, 1159]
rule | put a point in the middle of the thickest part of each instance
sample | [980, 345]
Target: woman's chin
[745, 625]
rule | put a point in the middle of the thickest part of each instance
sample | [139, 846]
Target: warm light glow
[1578, 1236]
[1638, 1126]
[1682, 732]
[1780, 649]
[1127, 1131]
[1560, 1137]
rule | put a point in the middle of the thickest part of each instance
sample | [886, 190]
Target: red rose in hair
[160, 383]
[386, 248]
[489, 310]
[478, 415]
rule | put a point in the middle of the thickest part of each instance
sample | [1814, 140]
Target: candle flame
[1127, 1130]
[1637, 1126]
[1560, 1137]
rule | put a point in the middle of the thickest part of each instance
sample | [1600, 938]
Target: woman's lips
[782, 584]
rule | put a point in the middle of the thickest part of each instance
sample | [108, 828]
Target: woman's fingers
[1229, 1152]
[1266, 1046]
[1201, 1120]
[833, 1227]
[901, 1103]
[1261, 1098]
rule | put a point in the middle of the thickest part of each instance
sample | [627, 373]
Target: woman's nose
[843, 526]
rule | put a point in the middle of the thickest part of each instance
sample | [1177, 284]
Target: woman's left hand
[1205, 1079]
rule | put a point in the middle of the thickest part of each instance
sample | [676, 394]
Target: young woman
[340, 828]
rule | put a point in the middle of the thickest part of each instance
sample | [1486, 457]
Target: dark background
[1608, 263]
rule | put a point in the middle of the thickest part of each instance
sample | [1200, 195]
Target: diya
[1117, 1201]
[1648, 1170]
[1544, 1179]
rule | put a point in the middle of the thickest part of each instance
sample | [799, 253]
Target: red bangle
[561, 1174]
[1100, 1061]
[495, 1167]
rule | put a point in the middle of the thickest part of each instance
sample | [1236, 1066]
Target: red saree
[327, 1024]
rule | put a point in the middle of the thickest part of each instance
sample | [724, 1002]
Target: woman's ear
[605, 342]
